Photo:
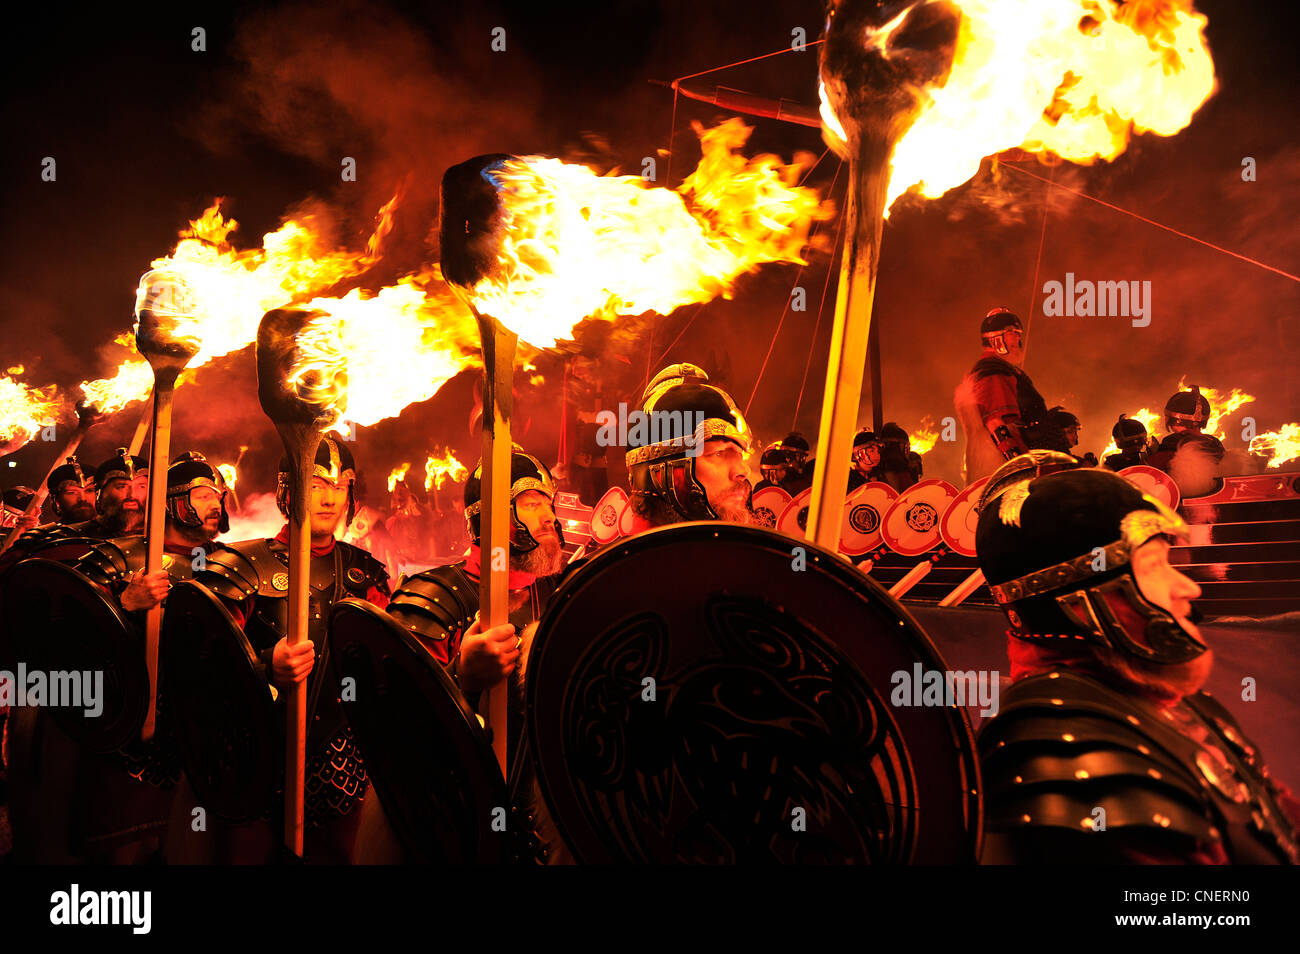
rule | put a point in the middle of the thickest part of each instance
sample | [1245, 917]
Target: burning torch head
[1057, 549]
[302, 376]
[88, 415]
[472, 221]
[165, 331]
[190, 472]
[526, 473]
[302, 381]
[879, 58]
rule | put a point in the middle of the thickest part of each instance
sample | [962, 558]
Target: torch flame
[581, 245]
[24, 410]
[398, 476]
[232, 289]
[925, 436]
[1070, 77]
[228, 474]
[1282, 446]
[439, 467]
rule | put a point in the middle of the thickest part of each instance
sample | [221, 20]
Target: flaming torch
[87, 417]
[470, 233]
[166, 334]
[302, 386]
[875, 66]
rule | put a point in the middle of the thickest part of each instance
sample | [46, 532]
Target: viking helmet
[1055, 542]
[684, 411]
[1188, 408]
[334, 464]
[995, 326]
[187, 472]
[526, 473]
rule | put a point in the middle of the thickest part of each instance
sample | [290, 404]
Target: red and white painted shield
[911, 525]
[768, 504]
[960, 519]
[864, 517]
[605, 516]
[794, 518]
[1154, 483]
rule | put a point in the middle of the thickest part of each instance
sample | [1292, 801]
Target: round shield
[912, 522]
[222, 712]
[605, 515]
[70, 630]
[768, 504]
[959, 521]
[794, 518]
[745, 714]
[432, 767]
[864, 513]
[1154, 483]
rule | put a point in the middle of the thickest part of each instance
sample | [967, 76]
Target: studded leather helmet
[683, 411]
[1055, 543]
[334, 463]
[69, 471]
[526, 473]
[187, 472]
[121, 464]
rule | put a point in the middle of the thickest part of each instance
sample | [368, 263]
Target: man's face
[1184, 427]
[775, 472]
[207, 504]
[75, 502]
[535, 512]
[1014, 339]
[328, 504]
[1072, 436]
[724, 475]
[1163, 585]
[866, 457]
[123, 501]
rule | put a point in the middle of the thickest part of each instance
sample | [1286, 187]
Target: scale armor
[1064, 745]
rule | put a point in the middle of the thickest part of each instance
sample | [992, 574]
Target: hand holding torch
[302, 387]
[165, 335]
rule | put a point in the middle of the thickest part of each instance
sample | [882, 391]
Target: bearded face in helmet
[533, 509]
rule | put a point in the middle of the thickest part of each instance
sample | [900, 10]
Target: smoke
[258, 518]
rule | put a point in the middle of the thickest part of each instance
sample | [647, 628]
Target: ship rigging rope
[775, 334]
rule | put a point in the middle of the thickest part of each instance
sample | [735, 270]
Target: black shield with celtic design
[428, 758]
[224, 716]
[70, 630]
[712, 693]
